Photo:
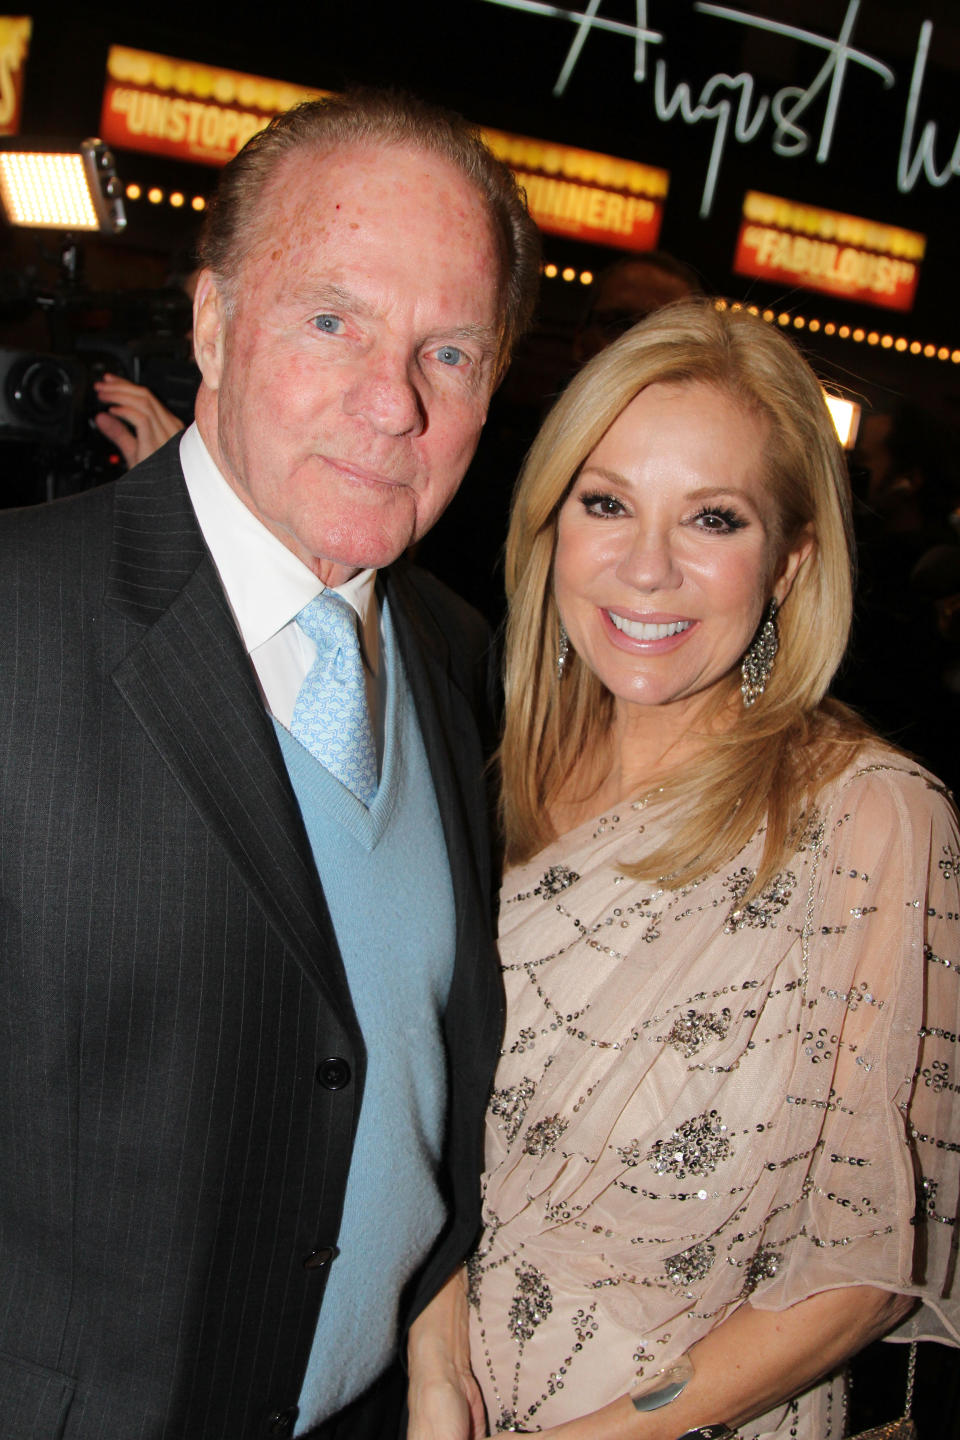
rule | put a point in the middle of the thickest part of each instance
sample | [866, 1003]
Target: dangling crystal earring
[757, 665]
[563, 650]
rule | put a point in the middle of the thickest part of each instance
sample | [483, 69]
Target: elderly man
[250, 996]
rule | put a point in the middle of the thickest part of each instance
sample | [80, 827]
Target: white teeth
[638, 630]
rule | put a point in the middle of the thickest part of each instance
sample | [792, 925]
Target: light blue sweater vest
[386, 879]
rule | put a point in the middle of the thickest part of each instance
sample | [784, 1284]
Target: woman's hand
[444, 1398]
[135, 422]
[446, 1410]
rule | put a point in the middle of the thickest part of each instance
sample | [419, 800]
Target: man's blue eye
[449, 355]
[330, 324]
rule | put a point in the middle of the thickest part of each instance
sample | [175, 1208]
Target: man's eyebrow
[328, 292]
[486, 335]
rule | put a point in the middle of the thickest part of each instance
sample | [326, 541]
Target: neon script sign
[734, 104]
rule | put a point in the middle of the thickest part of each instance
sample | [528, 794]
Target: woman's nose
[651, 563]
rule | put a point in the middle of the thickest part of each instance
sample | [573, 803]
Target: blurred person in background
[906, 477]
[134, 419]
[626, 292]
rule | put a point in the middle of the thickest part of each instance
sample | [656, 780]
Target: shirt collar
[265, 584]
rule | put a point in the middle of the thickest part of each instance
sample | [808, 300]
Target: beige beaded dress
[701, 1101]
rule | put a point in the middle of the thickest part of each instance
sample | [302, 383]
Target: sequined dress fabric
[689, 1113]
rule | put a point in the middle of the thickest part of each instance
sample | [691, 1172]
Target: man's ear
[209, 328]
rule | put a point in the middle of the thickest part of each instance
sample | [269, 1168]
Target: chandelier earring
[563, 650]
[757, 665]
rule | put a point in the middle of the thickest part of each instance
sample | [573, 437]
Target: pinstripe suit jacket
[171, 981]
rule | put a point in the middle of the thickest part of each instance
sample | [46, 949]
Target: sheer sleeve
[877, 1062]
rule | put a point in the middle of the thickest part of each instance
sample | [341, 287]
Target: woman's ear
[798, 553]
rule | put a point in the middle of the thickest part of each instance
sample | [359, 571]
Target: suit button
[333, 1073]
[320, 1257]
[283, 1421]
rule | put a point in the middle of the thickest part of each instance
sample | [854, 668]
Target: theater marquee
[828, 251]
[187, 110]
[15, 31]
[585, 195]
[197, 112]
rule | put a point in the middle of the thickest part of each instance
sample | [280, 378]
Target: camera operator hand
[136, 422]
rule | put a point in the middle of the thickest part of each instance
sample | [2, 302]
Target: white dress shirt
[266, 588]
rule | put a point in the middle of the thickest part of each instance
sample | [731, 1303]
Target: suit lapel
[189, 681]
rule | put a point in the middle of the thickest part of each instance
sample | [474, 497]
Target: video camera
[49, 444]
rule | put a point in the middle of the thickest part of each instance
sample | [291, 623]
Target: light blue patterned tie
[330, 716]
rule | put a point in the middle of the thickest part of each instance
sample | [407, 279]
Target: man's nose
[385, 393]
[650, 563]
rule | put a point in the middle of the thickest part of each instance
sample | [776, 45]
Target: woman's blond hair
[768, 767]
